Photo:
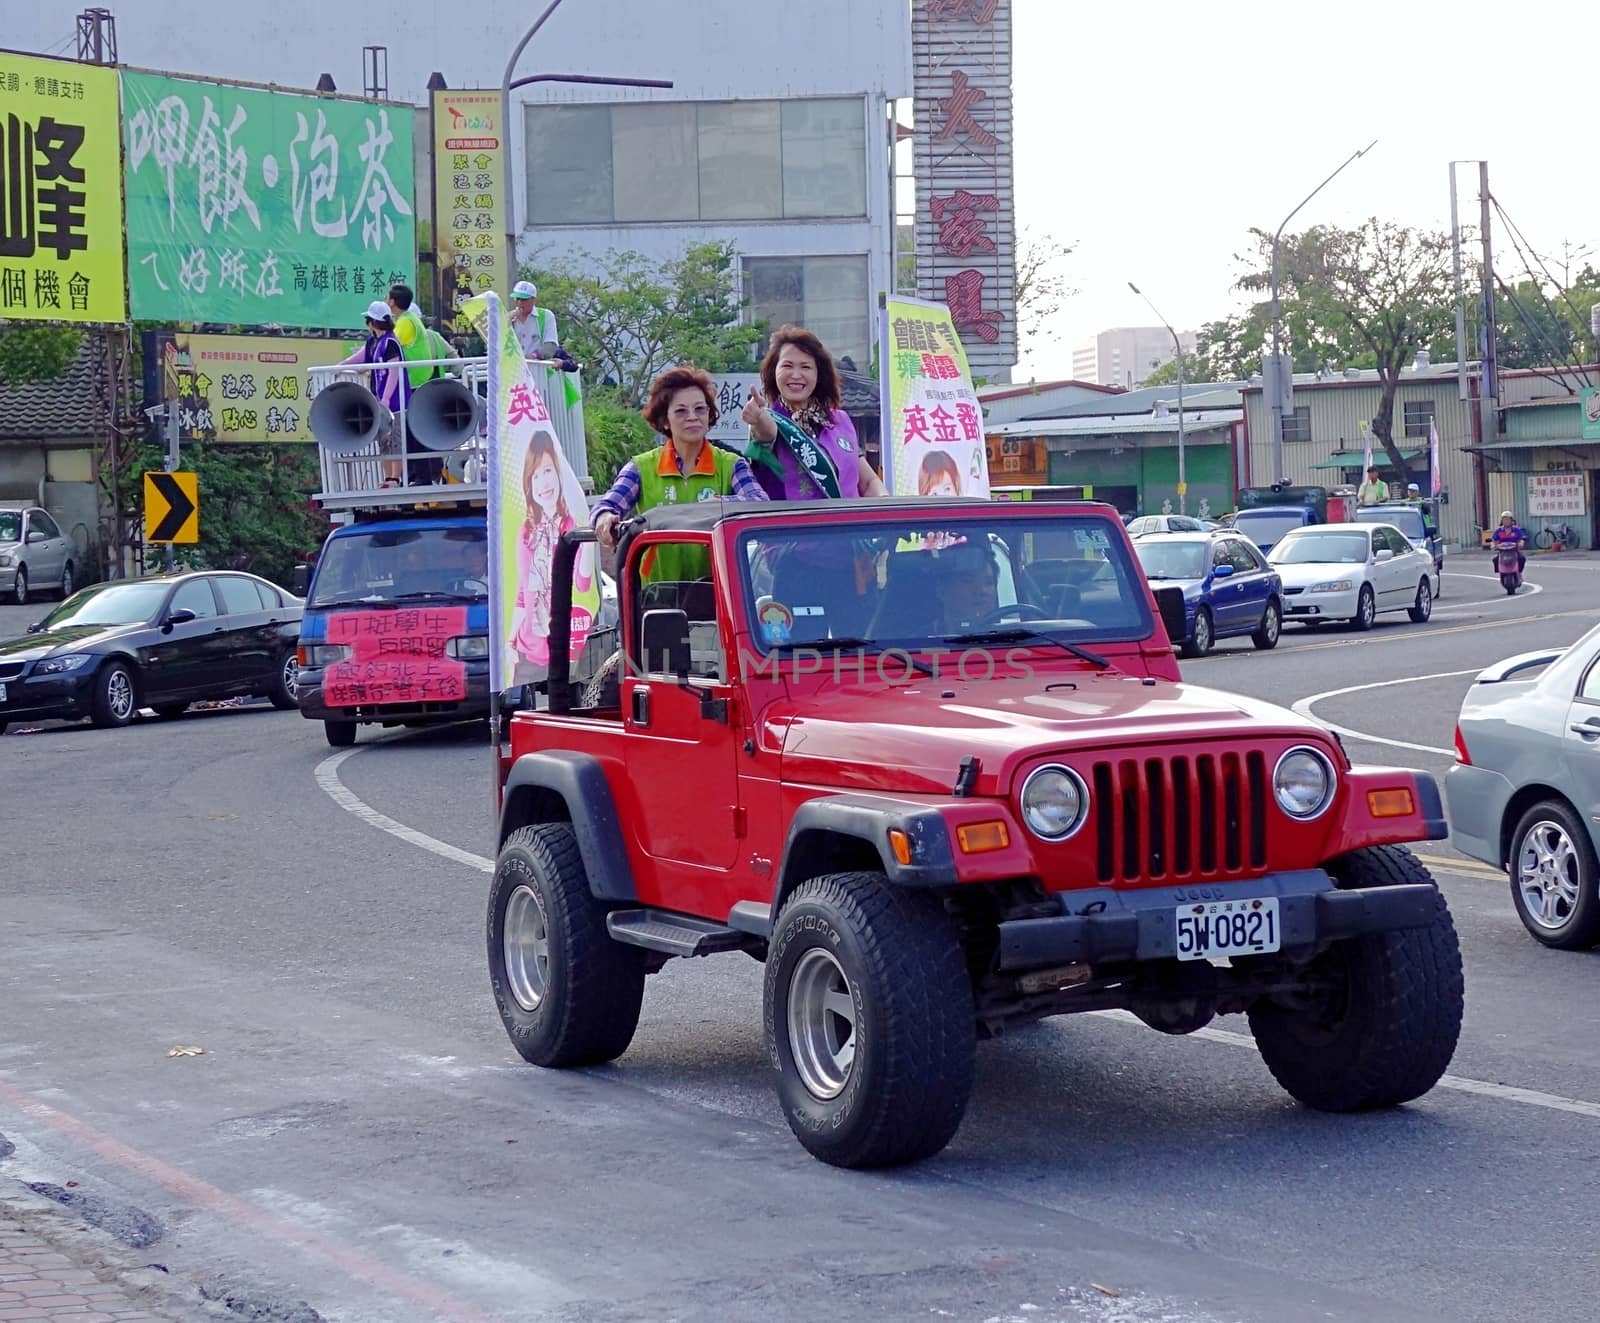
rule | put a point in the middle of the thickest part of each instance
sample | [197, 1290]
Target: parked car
[1353, 572]
[161, 642]
[1266, 524]
[1525, 791]
[1415, 522]
[1228, 589]
[35, 556]
[1145, 525]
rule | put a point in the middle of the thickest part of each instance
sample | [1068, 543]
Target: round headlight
[1303, 783]
[1054, 802]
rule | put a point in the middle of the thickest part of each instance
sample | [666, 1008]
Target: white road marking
[1305, 705]
[1554, 1102]
[327, 774]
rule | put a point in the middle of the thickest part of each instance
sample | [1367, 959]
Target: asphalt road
[358, 1134]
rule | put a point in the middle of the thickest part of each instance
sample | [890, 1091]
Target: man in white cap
[533, 324]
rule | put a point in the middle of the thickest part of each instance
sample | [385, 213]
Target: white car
[1353, 572]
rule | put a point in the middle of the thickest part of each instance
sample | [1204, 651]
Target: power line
[1570, 356]
[1565, 298]
[1538, 334]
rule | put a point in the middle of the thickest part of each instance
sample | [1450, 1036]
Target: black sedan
[162, 642]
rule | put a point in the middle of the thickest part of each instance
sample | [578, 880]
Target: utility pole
[1177, 348]
[1461, 306]
[1489, 390]
[173, 443]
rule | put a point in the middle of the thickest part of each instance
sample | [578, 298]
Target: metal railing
[365, 474]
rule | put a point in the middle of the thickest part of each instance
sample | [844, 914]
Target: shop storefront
[1546, 470]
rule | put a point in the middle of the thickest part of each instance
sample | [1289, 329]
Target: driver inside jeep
[968, 581]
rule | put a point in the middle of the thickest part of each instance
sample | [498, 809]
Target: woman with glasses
[685, 467]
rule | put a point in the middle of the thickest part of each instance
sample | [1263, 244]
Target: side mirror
[182, 616]
[1385, 555]
[36, 627]
[1169, 601]
[34, 535]
[300, 580]
[1221, 571]
[664, 641]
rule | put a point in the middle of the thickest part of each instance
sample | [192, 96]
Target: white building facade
[1126, 355]
[775, 134]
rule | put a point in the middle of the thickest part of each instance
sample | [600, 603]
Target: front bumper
[308, 688]
[1141, 926]
[8, 578]
[1320, 606]
[48, 697]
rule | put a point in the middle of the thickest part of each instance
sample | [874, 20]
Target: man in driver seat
[969, 585]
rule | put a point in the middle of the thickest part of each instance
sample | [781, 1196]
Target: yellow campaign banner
[61, 230]
[932, 422]
[243, 388]
[469, 145]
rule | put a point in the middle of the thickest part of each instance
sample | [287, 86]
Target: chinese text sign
[396, 657]
[1551, 494]
[932, 422]
[1589, 406]
[469, 201]
[60, 209]
[261, 207]
[242, 388]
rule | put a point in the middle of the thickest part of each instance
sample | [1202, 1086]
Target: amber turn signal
[981, 837]
[1390, 803]
[900, 843]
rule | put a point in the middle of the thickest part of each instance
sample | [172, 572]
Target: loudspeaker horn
[346, 418]
[443, 414]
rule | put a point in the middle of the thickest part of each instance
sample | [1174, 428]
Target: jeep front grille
[1172, 818]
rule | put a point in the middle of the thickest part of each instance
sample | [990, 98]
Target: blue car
[1228, 588]
[1265, 524]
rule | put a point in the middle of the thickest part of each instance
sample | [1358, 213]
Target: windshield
[1408, 522]
[10, 526]
[403, 564]
[910, 584]
[1266, 528]
[1172, 560]
[1321, 549]
[109, 604]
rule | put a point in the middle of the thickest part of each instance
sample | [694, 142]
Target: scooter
[1510, 574]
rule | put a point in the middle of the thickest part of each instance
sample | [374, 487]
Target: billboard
[469, 194]
[966, 205]
[60, 203]
[260, 207]
[238, 388]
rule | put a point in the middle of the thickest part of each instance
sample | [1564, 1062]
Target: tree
[628, 318]
[36, 353]
[1542, 326]
[614, 432]
[1194, 369]
[1041, 283]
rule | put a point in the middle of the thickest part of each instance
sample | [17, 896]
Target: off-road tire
[19, 587]
[1271, 628]
[1581, 929]
[907, 1086]
[1422, 609]
[1202, 636]
[603, 691]
[1366, 608]
[106, 704]
[279, 694]
[169, 711]
[340, 734]
[594, 985]
[1387, 1032]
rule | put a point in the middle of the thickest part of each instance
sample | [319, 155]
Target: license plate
[1228, 928]
[2, 693]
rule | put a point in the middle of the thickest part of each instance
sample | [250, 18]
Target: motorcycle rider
[1509, 535]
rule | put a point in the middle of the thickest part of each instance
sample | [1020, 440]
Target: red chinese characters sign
[396, 657]
[961, 62]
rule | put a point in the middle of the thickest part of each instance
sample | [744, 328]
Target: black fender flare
[578, 781]
[868, 819]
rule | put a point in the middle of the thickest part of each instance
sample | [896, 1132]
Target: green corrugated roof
[1351, 459]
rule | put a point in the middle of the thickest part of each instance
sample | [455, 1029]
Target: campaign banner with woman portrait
[932, 422]
[534, 497]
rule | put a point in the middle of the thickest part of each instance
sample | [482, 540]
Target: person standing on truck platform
[533, 325]
[1374, 491]
[417, 343]
[381, 346]
[684, 467]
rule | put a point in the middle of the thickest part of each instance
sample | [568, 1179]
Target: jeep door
[681, 743]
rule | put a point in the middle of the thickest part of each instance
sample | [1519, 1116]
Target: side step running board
[676, 934]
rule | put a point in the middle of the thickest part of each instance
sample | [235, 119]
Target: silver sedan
[1525, 792]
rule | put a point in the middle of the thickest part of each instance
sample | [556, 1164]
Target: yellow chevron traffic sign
[171, 507]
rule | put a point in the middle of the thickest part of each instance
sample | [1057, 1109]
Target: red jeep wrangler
[932, 762]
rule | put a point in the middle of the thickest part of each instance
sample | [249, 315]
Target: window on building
[827, 295]
[1416, 416]
[709, 161]
[1297, 426]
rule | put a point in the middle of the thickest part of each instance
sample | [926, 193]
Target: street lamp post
[1177, 348]
[1275, 384]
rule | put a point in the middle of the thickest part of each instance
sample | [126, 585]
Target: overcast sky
[1154, 136]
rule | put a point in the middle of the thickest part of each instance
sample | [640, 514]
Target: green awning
[1537, 443]
[1354, 459]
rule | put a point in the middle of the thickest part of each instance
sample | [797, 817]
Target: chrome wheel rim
[822, 1024]
[1367, 608]
[19, 589]
[119, 695]
[1548, 875]
[1273, 624]
[1425, 601]
[66, 581]
[1202, 632]
[291, 675]
[525, 942]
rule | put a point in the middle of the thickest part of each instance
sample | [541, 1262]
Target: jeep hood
[913, 739]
